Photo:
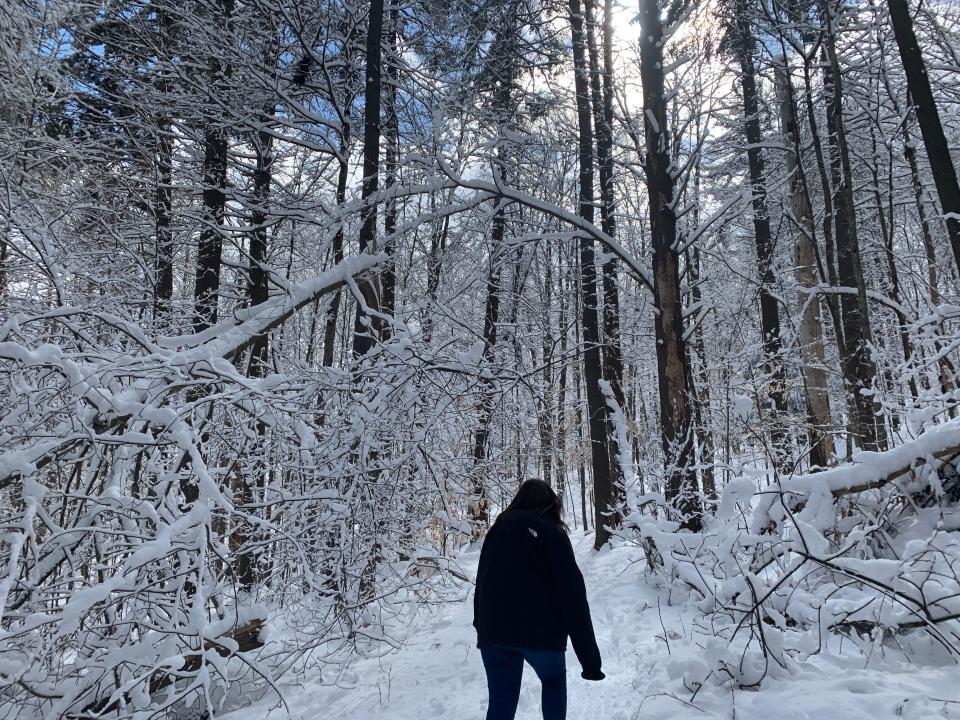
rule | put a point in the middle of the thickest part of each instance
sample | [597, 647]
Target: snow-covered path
[438, 674]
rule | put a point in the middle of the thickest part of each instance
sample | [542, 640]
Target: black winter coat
[530, 592]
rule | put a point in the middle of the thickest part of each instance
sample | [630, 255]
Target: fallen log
[242, 638]
[869, 471]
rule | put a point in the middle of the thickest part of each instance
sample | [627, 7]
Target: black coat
[530, 592]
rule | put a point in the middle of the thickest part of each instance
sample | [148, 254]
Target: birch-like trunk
[814, 368]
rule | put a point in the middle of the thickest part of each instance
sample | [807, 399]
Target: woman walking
[529, 597]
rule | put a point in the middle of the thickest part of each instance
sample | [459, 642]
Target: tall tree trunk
[578, 376]
[247, 488]
[929, 248]
[438, 244]
[258, 290]
[612, 371]
[827, 265]
[593, 363]
[769, 311]
[934, 139]
[330, 326]
[163, 211]
[814, 368]
[503, 67]
[163, 292]
[886, 233]
[700, 388]
[948, 372]
[206, 292]
[366, 328]
[673, 369]
[859, 369]
[612, 358]
[701, 395]
[391, 151]
[560, 441]
[545, 416]
[4, 252]
[163, 220]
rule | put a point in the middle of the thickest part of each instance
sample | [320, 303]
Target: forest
[293, 296]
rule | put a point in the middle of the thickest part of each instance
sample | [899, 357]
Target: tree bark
[592, 360]
[366, 328]
[545, 415]
[479, 507]
[810, 332]
[948, 371]
[330, 326]
[612, 357]
[206, 292]
[934, 139]
[163, 210]
[929, 248]
[391, 152]
[701, 395]
[826, 265]
[503, 68]
[673, 370]
[859, 369]
[560, 441]
[887, 232]
[769, 311]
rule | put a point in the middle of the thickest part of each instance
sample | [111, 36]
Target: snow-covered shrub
[163, 510]
[851, 550]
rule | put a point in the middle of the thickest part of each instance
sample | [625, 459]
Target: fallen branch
[246, 637]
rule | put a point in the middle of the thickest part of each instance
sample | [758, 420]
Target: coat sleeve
[573, 601]
[476, 589]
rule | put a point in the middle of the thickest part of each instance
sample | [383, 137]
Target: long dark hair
[538, 497]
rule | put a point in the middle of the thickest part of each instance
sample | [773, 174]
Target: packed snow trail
[646, 649]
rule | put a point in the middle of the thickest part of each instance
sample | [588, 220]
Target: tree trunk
[612, 357]
[701, 395]
[827, 266]
[545, 416]
[700, 389]
[948, 372]
[258, 290]
[163, 211]
[673, 370]
[934, 139]
[206, 292]
[578, 377]
[887, 232]
[929, 248]
[592, 360]
[248, 488]
[859, 369]
[814, 368]
[391, 152]
[560, 441]
[330, 327]
[163, 220]
[504, 70]
[769, 311]
[366, 328]
[438, 244]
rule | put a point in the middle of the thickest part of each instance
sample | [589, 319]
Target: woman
[530, 596]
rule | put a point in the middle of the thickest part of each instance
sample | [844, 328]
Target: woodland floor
[647, 648]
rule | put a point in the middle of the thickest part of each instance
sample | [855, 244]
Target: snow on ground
[646, 647]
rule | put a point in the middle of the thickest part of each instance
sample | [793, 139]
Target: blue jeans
[504, 667]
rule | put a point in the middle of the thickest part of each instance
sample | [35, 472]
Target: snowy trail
[438, 675]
